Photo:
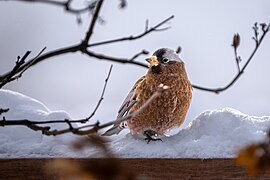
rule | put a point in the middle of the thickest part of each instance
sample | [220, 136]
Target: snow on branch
[259, 34]
[83, 130]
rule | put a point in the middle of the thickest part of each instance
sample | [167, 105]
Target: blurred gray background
[204, 30]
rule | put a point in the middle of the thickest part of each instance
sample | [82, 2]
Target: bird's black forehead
[166, 53]
[160, 52]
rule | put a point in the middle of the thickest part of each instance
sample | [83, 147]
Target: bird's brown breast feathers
[169, 109]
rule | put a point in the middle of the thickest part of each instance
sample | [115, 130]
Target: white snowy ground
[213, 134]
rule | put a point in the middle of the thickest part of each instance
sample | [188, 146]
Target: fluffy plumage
[165, 112]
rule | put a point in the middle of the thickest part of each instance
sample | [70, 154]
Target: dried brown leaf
[248, 158]
[236, 40]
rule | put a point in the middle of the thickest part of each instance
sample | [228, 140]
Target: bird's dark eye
[165, 60]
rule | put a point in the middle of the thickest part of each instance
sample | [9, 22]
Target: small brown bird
[166, 111]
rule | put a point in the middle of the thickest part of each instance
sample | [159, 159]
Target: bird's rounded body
[166, 111]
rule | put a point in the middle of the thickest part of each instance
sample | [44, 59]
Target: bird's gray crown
[167, 53]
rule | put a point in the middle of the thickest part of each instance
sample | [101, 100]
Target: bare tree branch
[34, 61]
[102, 94]
[131, 38]
[258, 40]
[83, 130]
[3, 110]
[82, 47]
[116, 59]
[10, 76]
[34, 124]
[64, 4]
[27, 122]
[92, 24]
[29, 65]
[143, 52]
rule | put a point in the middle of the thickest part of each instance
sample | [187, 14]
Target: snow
[20, 141]
[213, 134]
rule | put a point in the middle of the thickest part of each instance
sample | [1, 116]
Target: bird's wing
[130, 100]
[127, 104]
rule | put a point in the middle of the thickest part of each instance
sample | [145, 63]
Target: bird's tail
[116, 129]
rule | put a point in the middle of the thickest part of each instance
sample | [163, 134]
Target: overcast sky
[204, 30]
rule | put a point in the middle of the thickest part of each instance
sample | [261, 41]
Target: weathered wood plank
[149, 168]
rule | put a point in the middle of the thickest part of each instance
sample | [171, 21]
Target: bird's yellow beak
[153, 61]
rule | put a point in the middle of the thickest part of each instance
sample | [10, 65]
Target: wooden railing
[145, 168]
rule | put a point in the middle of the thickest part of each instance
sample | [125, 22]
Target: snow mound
[213, 134]
[18, 141]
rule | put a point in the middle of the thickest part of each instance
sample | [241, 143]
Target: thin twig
[27, 122]
[92, 24]
[30, 64]
[66, 5]
[132, 37]
[237, 59]
[102, 94]
[116, 59]
[256, 34]
[9, 77]
[146, 25]
[34, 61]
[143, 52]
[3, 110]
[258, 42]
